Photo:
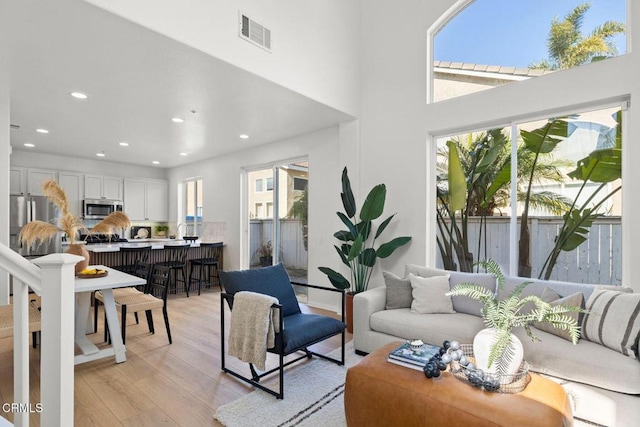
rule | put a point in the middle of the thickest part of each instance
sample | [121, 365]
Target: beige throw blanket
[253, 327]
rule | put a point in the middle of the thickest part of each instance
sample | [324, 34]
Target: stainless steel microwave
[100, 208]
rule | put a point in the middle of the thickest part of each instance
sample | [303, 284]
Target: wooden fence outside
[292, 252]
[598, 260]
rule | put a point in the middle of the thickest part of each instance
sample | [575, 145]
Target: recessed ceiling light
[183, 154]
[100, 154]
[177, 120]
[244, 136]
[123, 144]
[155, 162]
[79, 95]
[30, 145]
[42, 131]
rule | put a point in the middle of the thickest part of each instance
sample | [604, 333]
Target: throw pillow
[552, 297]
[421, 271]
[613, 320]
[429, 294]
[398, 291]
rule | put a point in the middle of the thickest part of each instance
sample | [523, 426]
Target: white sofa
[604, 383]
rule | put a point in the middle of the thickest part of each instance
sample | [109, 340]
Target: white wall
[96, 167]
[222, 197]
[315, 44]
[397, 125]
[5, 150]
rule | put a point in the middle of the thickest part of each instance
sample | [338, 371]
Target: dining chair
[139, 259]
[154, 297]
[6, 322]
[206, 266]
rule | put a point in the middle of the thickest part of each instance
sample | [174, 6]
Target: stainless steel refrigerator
[24, 209]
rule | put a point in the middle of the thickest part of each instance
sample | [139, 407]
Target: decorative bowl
[415, 344]
[496, 383]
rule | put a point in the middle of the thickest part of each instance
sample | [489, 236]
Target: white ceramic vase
[482, 344]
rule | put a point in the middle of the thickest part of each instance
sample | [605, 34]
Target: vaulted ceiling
[136, 81]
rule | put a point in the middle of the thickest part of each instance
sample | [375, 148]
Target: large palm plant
[480, 182]
[357, 248]
[569, 48]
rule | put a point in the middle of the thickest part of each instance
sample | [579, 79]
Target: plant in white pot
[495, 348]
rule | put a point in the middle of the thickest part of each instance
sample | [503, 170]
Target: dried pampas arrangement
[40, 231]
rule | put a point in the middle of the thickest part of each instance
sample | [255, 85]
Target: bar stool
[130, 256]
[210, 260]
[175, 257]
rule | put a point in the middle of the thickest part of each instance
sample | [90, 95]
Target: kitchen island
[109, 254]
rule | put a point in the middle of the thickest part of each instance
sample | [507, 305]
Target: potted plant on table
[161, 230]
[357, 243]
[495, 348]
[68, 223]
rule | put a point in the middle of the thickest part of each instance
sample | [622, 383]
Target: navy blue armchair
[295, 332]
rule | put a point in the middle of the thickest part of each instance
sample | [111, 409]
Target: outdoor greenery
[357, 248]
[473, 179]
[299, 210]
[508, 313]
[568, 47]
[474, 175]
[602, 166]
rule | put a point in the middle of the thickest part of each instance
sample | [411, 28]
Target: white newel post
[57, 357]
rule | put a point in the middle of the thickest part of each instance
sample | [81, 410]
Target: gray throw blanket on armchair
[253, 327]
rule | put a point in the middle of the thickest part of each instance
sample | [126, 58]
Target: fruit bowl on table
[92, 273]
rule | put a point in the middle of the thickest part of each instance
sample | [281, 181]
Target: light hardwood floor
[159, 384]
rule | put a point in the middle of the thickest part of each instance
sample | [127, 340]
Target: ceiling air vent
[255, 33]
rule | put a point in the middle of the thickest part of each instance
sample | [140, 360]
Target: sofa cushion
[613, 320]
[430, 328]
[585, 362]
[552, 297]
[461, 304]
[398, 291]
[430, 294]
[272, 281]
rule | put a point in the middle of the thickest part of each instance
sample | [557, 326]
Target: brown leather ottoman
[379, 393]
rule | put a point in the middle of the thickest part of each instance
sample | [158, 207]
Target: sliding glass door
[277, 208]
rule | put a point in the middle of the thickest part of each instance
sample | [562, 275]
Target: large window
[489, 43]
[193, 207]
[542, 198]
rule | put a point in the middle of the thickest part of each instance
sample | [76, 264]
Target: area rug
[313, 396]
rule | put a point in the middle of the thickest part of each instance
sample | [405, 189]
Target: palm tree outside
[568, 47]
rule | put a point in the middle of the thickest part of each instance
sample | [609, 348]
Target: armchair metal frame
[278, 348]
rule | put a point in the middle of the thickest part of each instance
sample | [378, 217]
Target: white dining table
[83, 288]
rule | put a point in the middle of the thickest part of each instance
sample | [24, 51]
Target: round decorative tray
[98, 273]
[496, 383]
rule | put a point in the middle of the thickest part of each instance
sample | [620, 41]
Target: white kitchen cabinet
[102, 187]
[17, 180]
[146, 199]
[35, 179]
[134, 198]
[157, 200]
[71, 183]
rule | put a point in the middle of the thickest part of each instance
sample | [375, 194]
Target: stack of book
[412, 358]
